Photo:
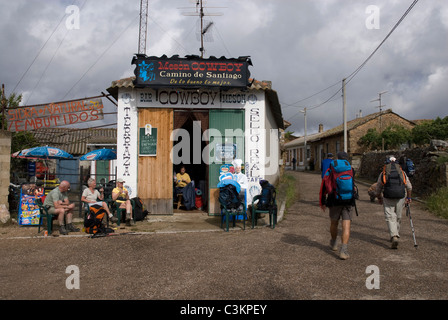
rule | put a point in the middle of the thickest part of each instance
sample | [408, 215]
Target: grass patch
[437, 203]
[286, 190]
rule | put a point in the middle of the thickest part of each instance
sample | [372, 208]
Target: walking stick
[408, 213]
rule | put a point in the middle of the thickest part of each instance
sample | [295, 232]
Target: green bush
[437, 203]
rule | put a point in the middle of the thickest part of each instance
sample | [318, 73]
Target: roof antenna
[203, 30]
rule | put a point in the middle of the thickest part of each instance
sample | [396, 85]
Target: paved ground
[192, 258]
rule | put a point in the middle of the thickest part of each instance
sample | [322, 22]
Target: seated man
[58, 204]
[183, 180]
[180, 181]
[121, 195]
[91, 196]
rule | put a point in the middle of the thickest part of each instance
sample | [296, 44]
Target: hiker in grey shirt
[58, 204]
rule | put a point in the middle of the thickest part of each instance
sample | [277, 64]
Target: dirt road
[292, 261]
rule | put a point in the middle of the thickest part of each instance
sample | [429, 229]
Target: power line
[39, 52]
[355, 72]
[104, 52]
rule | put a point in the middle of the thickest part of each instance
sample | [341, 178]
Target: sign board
[29, 213]
[191, 72]
[54, 114]
[147, 142]
[194, 99]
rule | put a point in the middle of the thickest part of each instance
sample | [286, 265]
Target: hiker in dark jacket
[393, 190]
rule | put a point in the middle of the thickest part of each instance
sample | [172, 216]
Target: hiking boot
[343, 254]
[334, 245]
[394, 241]
[72, 228]
[62, 230]
[113, 219]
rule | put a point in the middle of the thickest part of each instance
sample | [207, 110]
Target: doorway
[189, 128]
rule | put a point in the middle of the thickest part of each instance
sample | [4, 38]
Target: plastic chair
[234, 213]
[272, 211]
[114, 206]
[45, 214]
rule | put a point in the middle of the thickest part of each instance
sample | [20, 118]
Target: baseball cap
[120, 180]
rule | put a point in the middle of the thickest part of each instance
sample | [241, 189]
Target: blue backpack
[342, 178]
[409, 167]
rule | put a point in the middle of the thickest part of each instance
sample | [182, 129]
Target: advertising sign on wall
[191, 72]
[54, 114]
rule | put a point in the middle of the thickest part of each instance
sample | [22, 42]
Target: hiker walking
[337, 193]
[394, 191]
[325, 164]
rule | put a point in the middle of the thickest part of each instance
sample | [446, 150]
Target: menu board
[148, 142]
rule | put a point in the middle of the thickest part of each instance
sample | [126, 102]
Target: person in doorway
[294, 161]
[339, 209]
[182, 178]
[59, 205]
[393, 190]
[121, 195]
[326, 163]
[91, 196]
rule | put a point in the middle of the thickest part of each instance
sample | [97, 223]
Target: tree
[429, 130]
[392, 137]
[371, 140]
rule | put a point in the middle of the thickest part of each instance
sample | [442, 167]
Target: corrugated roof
[75, 141]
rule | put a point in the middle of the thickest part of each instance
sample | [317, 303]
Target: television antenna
[204, 25]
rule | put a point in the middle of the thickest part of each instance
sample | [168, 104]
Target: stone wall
[5, 166]
[431, 171]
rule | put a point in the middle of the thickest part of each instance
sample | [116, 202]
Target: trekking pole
[408, 213]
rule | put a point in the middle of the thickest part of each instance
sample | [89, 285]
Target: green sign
[148, 142]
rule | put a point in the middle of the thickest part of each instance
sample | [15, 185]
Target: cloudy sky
[305, 47]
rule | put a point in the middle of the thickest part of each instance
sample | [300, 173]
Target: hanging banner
[54, 114]
[191, 72]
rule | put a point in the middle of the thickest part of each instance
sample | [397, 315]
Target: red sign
[54, 114]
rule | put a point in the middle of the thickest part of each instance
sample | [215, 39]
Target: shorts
[337, 212]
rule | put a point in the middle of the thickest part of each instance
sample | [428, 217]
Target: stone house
[332, 141]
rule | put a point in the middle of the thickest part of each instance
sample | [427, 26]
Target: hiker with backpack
[326, 163]
[338, 193]
[394, 190]
[91, 196]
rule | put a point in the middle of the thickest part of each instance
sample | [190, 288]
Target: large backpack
[93, 220]
[139, 212]
[267, 196]
[229, 197]
[394, 181]
[339, 182]
[409, 167]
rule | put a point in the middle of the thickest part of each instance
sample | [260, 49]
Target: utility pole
[381, 111]
[304, 140]
[3, 104]
[344, 104]
[143, 26]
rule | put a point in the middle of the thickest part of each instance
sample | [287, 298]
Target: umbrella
[100, 154]
[44, 153]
